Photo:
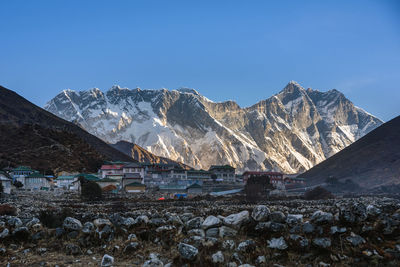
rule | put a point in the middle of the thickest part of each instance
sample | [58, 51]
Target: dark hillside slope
[29, 135]
[373, 160]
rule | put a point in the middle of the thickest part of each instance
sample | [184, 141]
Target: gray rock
[228, 244]
[270, 226]
[198, 232]
[14, 222]
[132, 237]
[308, 228]
[246, 265]
[42, 250]
[218, 257]
[372, 211]
[153, 263]
[187, 251]
[355, 240]
[211, 222]
[237, 220]
[277, 216]
[141, 220]
[186, 217]
[260, 213]
[261, 260]
[32, 222]
[72, 224]
[246, 246]
[323, 242]
[107, 261]
[165, 228]
[73, 234]
[88, 228]
[340, 230]
[4, 233]
[157, 221]
[131, 247]
[212, 232]
[225, 231]
[321, 217]
[294, 219]
[277, 243]
[72, 249]
[59, 231]
[100, 223]
[128, 222]
[194, 223]
[174, 219]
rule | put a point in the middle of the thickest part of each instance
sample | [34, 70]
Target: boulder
[260, 213]
[246, 246]
[72, 249]
[198, 232]
[322, 242]
[72, 224]
[218, 257]
[88, 228]
[277, 243]
[4, 233]
[228, 244]
[131, 247]
[212, 232]
[225, 231]
[321, 217]
[153, 263]
[355, 240]
[270, 226]
[294, 219]
[211, 222]
[14, 222]
[100, 223]
[194, 223]
[237, 220]
[308, 228]
[107, 261]
[277, 216]
[187, 251]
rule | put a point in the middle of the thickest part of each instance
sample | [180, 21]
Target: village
[170, 180]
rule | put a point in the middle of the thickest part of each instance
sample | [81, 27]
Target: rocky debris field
[211, 232]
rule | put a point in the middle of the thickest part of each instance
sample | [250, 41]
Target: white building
[5, 180]
[37, 181]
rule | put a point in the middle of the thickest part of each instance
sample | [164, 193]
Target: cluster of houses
[139, 177]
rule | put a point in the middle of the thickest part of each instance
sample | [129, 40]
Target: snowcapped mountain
[291, 131]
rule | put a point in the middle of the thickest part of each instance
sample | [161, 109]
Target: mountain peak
[187, 90]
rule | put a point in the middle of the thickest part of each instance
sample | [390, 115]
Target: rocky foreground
[209, 232]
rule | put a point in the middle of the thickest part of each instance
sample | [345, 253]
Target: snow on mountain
[292, 131]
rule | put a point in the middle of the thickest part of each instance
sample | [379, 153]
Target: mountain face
[32, 136]
[292, 131]
[142, 155]
[373, 160]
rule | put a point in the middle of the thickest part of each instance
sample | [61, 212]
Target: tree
[90, 191]
[18, 184]
[257, 188]
[318, 193]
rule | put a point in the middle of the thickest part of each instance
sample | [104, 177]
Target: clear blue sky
[239, 50]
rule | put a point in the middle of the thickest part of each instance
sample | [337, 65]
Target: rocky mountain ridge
[290, 131]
